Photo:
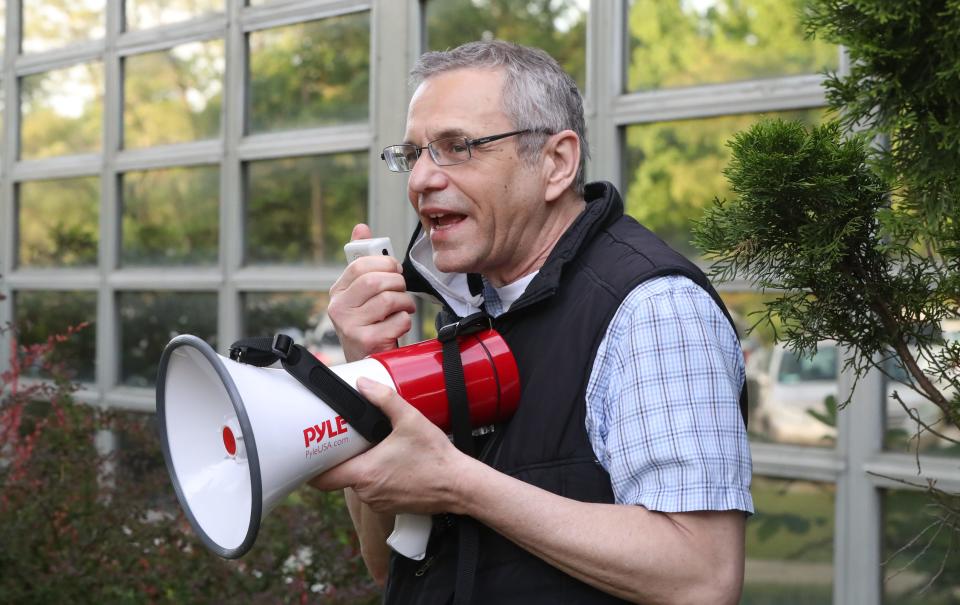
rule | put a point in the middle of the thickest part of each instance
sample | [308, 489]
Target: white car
[793, 386]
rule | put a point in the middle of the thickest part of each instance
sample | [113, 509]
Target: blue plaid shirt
[663, 411]
[663, 401]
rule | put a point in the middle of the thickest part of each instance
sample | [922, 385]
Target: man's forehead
[456, 102]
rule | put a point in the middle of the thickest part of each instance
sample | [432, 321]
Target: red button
[229, 441]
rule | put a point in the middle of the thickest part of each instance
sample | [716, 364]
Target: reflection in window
[40, 314]
[300, 315]
[174, 95]
[919, 543]
[558, 27]
[302, 210]
[910, 415]
[57, 222]
[170, 216]
[149, 320]
[142, 14]
[674, 169]
[61, 111]
[796, 397]
[50, 24]
[789, 543]
[310, 74]
[428, 311]
[685, 42]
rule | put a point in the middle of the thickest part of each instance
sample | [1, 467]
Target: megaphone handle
[410, 535]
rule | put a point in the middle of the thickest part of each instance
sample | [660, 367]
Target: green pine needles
[859, 232]
[854, 226]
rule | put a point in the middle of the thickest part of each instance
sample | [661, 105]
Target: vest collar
[604, 206]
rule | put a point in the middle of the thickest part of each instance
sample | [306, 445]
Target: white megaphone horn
[238, 438]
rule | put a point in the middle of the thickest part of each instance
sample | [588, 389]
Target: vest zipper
[426, 565]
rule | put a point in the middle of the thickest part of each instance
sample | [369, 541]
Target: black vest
[554, 330]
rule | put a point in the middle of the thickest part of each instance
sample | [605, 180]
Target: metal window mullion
[754, 96]
[194, 153]
[307, 141]
[232, 190]
[8, 218]
[277, 15]
[605, 59]
[901, 471]
[394, 47]
[857, 541]
[74, 54]
[87, 164]
[287, 278]
[858, 544]
[165, 37]
[108, 335]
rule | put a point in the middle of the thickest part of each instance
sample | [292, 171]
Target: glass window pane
[674, 169]
[57, 222]
[302, 210]
[171, 216]
[173, 96]
[300, 315]
[687, 42]
[50, 24]
[39, 314]
[920, 544]
[142, 14]
[558, 27]
[149, 320]
[61, 111]
[789, 543]
[310, 74]
[788, 394]
[905, 405]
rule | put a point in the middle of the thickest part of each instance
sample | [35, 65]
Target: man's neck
[547, 237]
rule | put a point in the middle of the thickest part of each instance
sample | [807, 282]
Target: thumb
[385, 398]
[361, 231]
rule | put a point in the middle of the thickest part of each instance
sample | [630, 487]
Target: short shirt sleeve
[663, 413]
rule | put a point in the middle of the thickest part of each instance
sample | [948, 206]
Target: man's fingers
[385, 398]
[361, 231]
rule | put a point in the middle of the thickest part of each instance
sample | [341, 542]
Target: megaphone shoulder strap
[469, 538]
[363, 416]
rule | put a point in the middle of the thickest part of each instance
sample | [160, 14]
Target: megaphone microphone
[238, 438]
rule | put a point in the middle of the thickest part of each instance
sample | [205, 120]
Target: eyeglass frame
[470, 144]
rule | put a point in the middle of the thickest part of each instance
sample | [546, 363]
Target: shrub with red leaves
[88, 514]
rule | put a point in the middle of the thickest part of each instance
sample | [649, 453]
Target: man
[625, 473]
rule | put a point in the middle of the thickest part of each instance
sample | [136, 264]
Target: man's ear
[561, 161]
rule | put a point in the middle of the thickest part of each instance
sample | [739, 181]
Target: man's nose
[426, 175]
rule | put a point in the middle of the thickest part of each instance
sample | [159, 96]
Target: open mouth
[441, 221]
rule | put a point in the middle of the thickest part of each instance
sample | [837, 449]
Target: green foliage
[79, 524]
[854, 226]
[170, 216]
[556, 26]
[310, 74]
[904, 83]
[676, 43]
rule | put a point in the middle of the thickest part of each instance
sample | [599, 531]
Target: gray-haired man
[625, 473]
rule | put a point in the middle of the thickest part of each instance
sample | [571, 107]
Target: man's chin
[448, 263]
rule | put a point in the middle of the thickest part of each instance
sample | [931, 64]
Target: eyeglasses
[447, 151]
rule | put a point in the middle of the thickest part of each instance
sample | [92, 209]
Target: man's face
[478, 213]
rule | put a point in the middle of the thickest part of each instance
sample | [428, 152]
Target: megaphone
[238, 438]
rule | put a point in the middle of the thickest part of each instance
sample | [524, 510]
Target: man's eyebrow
[442, 134]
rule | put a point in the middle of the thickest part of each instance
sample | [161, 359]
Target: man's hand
[369, 304]
[414, 470]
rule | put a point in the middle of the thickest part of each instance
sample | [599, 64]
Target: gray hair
[537, 93]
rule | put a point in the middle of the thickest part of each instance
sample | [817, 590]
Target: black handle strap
[468, 547]
[363, 416]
